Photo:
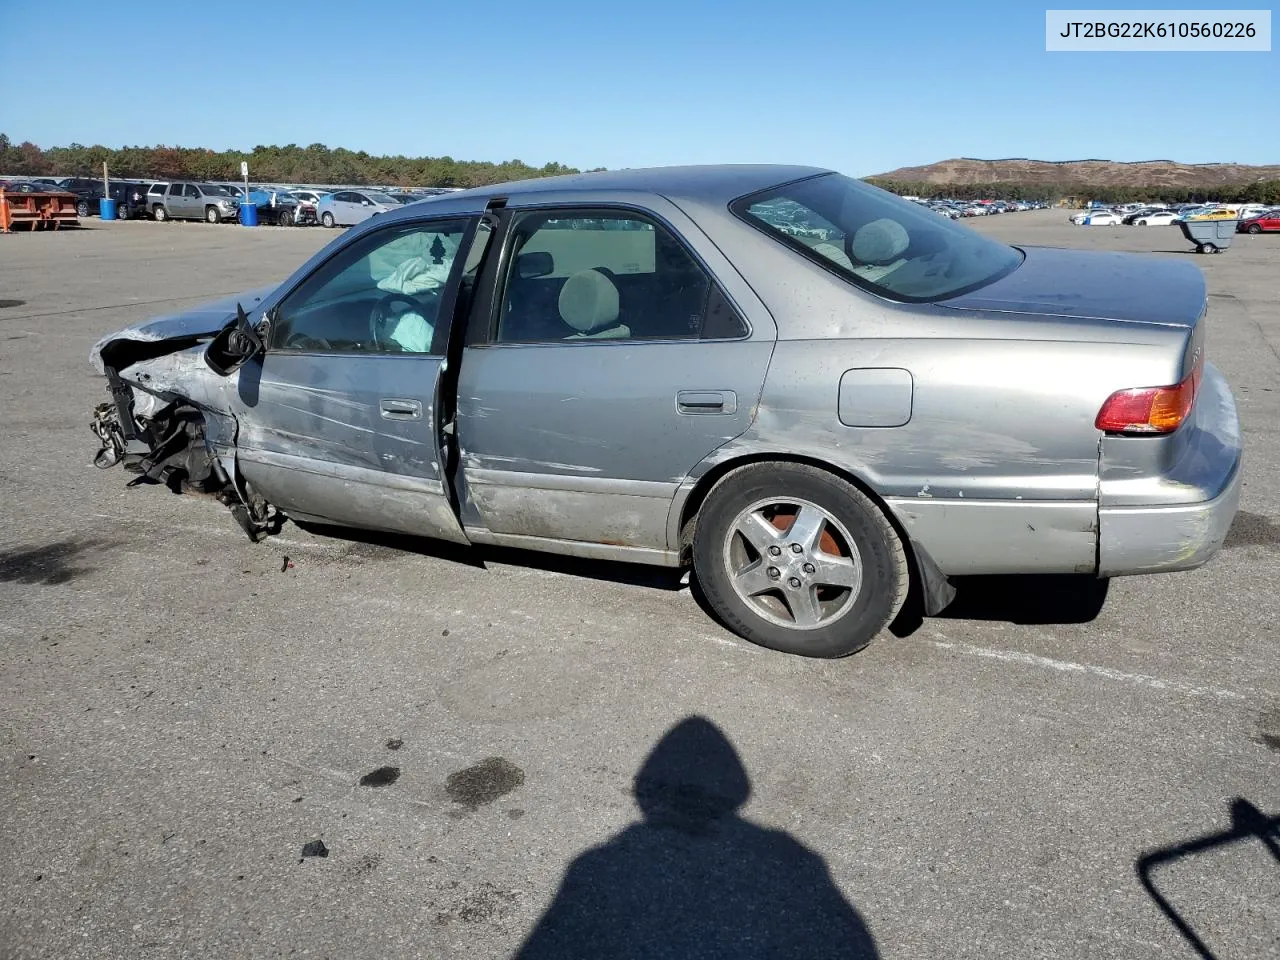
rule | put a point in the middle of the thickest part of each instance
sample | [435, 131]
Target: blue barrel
[107, 208]
[248, 214]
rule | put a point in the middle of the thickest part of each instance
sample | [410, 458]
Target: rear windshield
[888, 245]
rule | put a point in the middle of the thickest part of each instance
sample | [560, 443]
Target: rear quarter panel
[997, 469]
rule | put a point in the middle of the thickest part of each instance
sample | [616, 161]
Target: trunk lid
[1097, 285]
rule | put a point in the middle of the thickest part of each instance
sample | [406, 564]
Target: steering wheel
[304, 341]
[381, 312]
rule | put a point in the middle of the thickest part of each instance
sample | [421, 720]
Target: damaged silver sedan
[819, 396]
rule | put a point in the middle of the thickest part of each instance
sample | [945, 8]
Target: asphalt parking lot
[181, 711]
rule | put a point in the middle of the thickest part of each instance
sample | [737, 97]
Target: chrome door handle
[400, 409]
[694, 402]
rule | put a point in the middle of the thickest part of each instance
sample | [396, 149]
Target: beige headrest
[589, 301]
[880, 241]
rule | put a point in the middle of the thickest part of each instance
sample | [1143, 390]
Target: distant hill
[1095, 173]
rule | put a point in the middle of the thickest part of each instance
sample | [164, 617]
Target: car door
[606, 358]
[173, 204]
[342, 208]
[338, 417]
[361, 208]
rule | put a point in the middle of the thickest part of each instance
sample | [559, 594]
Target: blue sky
[859, 87]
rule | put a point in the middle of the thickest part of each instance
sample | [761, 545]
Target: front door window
[379, 295]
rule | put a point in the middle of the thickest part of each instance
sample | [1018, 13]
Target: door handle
[694, 402]
[400, 409]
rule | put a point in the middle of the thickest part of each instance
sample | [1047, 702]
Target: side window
[379, 295]
[606, 275]
[341, 197]
[175, 189]
[191, 191]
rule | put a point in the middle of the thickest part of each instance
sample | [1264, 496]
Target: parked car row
[956, 209]
[219, 202]
[1253, 217]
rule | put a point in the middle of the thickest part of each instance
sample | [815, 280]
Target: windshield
[383, 199]
[209, 190]
[888, 245]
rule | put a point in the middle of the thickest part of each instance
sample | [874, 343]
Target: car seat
[589, 305]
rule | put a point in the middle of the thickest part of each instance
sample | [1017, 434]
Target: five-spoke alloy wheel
[794, 558]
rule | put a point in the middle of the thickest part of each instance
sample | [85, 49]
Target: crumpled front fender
[147, 339]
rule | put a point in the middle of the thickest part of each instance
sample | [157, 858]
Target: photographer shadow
[695, 879]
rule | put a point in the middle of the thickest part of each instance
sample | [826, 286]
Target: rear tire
[161, 214]
[211, 215]
[830, 587]
[327, 219]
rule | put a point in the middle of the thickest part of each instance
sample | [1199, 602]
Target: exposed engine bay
[166, 438]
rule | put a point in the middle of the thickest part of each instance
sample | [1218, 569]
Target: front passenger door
[338, 418]
[361, 208]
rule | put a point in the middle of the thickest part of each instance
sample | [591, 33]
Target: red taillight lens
[1149, 409]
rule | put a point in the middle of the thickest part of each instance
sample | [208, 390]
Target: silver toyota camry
[819, 396]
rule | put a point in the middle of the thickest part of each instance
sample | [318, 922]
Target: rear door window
[607, 275]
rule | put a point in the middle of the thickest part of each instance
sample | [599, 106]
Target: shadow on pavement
[1027, 600]
[51, 564]
[636, 574]
[695, 879]
[1247, 823]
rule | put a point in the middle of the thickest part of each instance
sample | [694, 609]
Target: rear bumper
[1154, 539]
[1185, 515]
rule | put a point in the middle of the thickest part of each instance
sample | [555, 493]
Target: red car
[1270, 220]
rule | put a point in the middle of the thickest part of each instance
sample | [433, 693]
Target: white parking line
[1106, 673]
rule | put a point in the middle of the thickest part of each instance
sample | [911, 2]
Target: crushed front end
[170, 418]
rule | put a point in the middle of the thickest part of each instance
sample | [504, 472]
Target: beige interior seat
[589, 305]
[877, 249]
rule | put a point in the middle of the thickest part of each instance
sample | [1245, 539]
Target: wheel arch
[931, 585]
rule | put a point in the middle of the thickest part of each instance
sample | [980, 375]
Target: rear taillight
[1150, 409]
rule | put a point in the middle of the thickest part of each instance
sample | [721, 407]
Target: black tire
[859, 615]
[327, 219]
[122, 212]
[82, 209]
[211, 215]
[160, 213]
[1254, 228]
[284, 219]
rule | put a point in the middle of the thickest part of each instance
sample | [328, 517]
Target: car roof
[715, 184]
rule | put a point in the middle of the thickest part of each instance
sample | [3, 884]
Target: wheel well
[692, 505]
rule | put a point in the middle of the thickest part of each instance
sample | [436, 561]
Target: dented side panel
[586, 438]
[352, 439]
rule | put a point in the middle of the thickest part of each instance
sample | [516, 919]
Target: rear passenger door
[609, 352]
[173, 202]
